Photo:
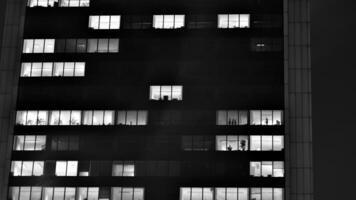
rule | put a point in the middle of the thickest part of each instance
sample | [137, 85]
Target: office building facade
[137, 100]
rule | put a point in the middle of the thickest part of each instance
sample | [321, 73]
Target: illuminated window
[267, 169]
[168, 21]
[233, 21]
[74, 3]
[121, 168]
[27, 168]
[66, 168]
[231, 117]
[57, 69]
[32, 118]
[98, 117]
[29, 143]
[104, 22]
[132, 117]
[166, 92]
[127, 193]
[266, 143]
[231, 143]
[38, 46]
[266, 117]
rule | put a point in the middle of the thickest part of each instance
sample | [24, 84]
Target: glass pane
[177, 92]
[208, 193]
[266, 117]
[121, 117]
[232, 143]
[36, 69]
[233, 117]
[255, 143]
[87, 117]
[233, 21]
[221, 117]
[278, 169]
[220, 194]
[127, 193]
[179, 21]
[25, 69]
[93, 193]
[94, 22]
[42, 118]
[47, 193]
[221, 143]
[98, 117]
[81, 45]
[142, 117]
[16, 168]
[278, 143]
[70, 193]
[38, 46]
[75, 117]
[129, 170]
[244, 21]
[155, 92]
[21, 117]
[19, 142]
[255, 116]
[49, 46]
[197, 193]
[64, 117]
[117, 169]
[38, 168]
[166, 92]
[36, 193]
[243, 118]
[277, 194]
[72, 168]
[82, 193]
[40, 142]
[243, 193]
[231, 193]
[28, 46]
[255, 169]
[79, 69]
[138, 194]
[115, 22]
[222, 21]
[54, 117]
[266, 168]
[114, 45]
[131, 118]
[116, 193]
[185, 193]
[103, 45]
[277, 117]
[168, 21]
[255, 194]
[30, 141]
[109, 117]
[92, 46]
[104, 22]
[25, 193]
[61, 168]
[267, 194]
[47, 69]
[158, 21]
[243, 143]
[58, 193]
[266, 143]
[27, 167]
[69, 69]
[58, 69]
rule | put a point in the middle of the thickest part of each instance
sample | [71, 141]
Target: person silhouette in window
[229, 148]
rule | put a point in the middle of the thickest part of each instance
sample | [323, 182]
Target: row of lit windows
[77, 117]
[189, 143]
[230, 193]
[59, 3]
[166, 92]
[48, 69]
[267, 169]
[93, 45]
[75, 193]
[136, 117]
[127, 168]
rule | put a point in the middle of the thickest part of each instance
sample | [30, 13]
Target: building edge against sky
[298, 120]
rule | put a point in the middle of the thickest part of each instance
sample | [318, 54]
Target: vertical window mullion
[125, 117]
